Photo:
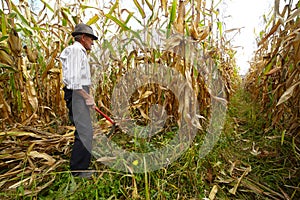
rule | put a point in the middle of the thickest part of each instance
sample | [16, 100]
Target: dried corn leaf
[144, 115]
[5, 58]
[34, 150]
[14, 42]
[273, 71]
[39, 188]
[272, 31]
[146, 94]
[287, 94]
[50, 159]
[294, 15]
[31, 95]
[235, 188]
[15, 156]
[19, 134]
[213, 192]
[164, 4]
[278, 57]
[22, 182]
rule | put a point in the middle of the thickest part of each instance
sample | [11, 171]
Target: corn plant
[274, 76]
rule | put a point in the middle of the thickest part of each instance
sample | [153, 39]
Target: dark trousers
[79, 114]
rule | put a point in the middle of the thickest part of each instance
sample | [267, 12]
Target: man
[77, 80]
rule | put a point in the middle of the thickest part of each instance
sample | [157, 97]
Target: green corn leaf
[220, 28]
[64, 22]
[48, 6]
[93, 20]
[116, 4]
[107, 45]
[83, 7]
[19, 100]
[114, 7]
[268, 67]
[282, 136]
[172, 16]
[117, 21]
[3, 25]
[173, 11]
[139, 7]
[3, 38]
[7, 67]
[12, 84]
[12, 15]
[20, 15]
[129, 17]
[150, 4]
[25, 29]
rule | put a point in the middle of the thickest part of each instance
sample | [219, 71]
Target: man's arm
[89, 100]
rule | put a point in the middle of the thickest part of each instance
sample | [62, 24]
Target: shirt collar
[79, 45]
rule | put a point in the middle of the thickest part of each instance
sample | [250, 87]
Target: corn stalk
[274, 76]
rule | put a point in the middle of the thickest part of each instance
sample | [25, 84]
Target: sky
[247, 15]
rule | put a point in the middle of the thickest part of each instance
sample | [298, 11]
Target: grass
[248, 162]
[273, 166]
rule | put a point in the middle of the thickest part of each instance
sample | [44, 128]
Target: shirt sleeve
[71, 63]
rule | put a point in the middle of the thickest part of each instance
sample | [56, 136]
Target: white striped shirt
[75, 66]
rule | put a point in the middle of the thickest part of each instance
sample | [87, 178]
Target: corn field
[273, 79]
[36, 134]
[31, 43]
[31, 98]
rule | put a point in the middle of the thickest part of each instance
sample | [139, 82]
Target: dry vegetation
[274, 77]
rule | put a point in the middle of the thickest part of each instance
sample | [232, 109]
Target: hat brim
[78, 33]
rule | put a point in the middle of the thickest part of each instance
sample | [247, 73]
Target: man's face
[87, 42]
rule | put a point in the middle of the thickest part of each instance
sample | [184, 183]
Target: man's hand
[89, 100]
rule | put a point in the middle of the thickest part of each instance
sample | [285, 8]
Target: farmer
[77, 81]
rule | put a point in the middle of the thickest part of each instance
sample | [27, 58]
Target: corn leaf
[20, 15]
[149, 5]
[8, 67]
[172, 16]
[139, 7]
[48, 6]
[3, 25]
[112, 9]
[93, 20]
[118, 22]
[287, 94]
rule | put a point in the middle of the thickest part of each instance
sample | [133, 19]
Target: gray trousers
[79, 114]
